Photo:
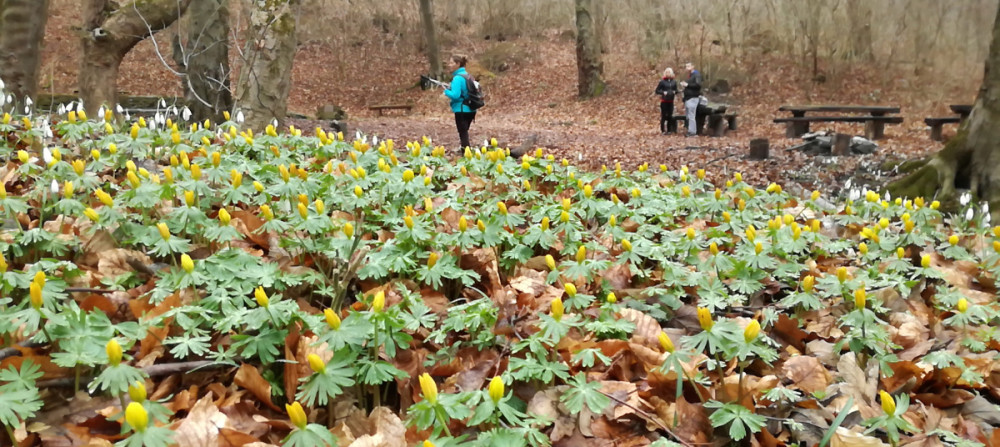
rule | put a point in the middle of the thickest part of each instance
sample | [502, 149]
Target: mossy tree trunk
[590, 69]
[22, 26]
[203, 56]
[266, 74]
[430, 38]
[971, 159]
[111, 31]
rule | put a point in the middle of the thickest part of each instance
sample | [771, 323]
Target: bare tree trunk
[110, 34]
[859, 13]
[430, 38]
[204, 58]
[972, 158]
[266, 75]
[590, 69]
[22, 27]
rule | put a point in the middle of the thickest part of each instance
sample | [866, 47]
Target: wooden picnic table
[962, 110]
[936, 124]
[875, 118]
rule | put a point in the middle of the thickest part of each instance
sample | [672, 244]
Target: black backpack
[474, 99]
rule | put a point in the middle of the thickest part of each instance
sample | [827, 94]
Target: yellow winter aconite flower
[187, 263]
[189, 198]
[432, 259]
[496, 389]
[408, 221]
[700, 174]
[570, 289]
[935, 205]
[814, 195]
[888, 403]
[265, 211]
[908, 226]
[297, 415]
[35, 293]
[428, 388]
[863, 248]
[137, 417]
[564, 217]
[261, 296]
[860, 298]
[566, 204]
[925, 261]
[332, 319]
[726, 217]
[962, 306]
[751, 233]
[713, 248]
[581, 253]
[134, 131]
[3, 264]
[751, 332]
[636, 193]
[67, 189]
[613, 220]
[316, 363]
[303, 210]
[758, 248]
[91, 214]
[104, 197]
[841, 274]
[164, 231]
[114, 351]
[626, 245]
[224, 217]
[556, 308]
[612, 298]
[953, 239]
[137, 392]
[79, 165]
[665, 342]
[132, 179]
[408, 175]
[378, 303]
[22, 156]
[705, 318]
[358, 192]
[40, 278]
[502, 207]
[550, 262]
[480, 225]
[900, 253]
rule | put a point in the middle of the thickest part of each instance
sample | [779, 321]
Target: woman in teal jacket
[459, 90]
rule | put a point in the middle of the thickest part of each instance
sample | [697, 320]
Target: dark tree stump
[841, 144]
[759, 148]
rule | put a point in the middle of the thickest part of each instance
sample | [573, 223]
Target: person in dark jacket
[692, 90]
[667, 90]
[459, 90]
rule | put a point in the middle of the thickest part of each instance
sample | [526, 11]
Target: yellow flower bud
[67, 190]
[79, 165]
[358, 192]
[935, 205]
[303, 210]
[137, 417]
[480, 225]
[925, 261]
[588, 191]
[888, 404]
[962, 306]
[95, 154]
[265, 211]
[408, 175]
[612, 298]
[550, 262]
[690, 233]
[432, 259]
[705, 318]
[114, 351]
[189, 198]
[297, 415]
[428, 388]
[556, 308]
[626, 245]
[332, 319]
[35, 293]
[22, 156]
[283, 171]
[91, 214]
[758, 248]
[502, 207]
[187, 263]
[134, 131]
[224, 217]
[665, 342]
[751, 332]
[216, 158]
[570, 289]
[164, 231]
[104, 197]
[349, 230]
[581, 253]
[408, 221]
[132, 179]
[316, 363]
[378, 303]
[496, 389]
[860, 298]
[261, 296]
[863, 248]
[842, 274]
[137, 392]
[953, 239]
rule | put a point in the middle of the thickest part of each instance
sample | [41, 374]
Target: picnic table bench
[874, 117]
[383, 107]
[936, 124]
[715, 116]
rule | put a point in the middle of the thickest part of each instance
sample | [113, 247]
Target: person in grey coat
[692, 91]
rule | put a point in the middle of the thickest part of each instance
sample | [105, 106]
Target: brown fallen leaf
[249, 378]
[806, 374]
[201, 426]
[847, 438]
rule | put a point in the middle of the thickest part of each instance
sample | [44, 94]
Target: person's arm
[660, 88]
[455, 92]
[696, 80]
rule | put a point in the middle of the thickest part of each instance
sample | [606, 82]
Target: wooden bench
[382, 108]
[937, 124]
[874, 117]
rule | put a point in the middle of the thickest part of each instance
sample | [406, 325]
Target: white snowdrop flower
[46, 155]
[152, 124]
[888, 197]
[239, 116]
[986, 208]
[54, 186]
[374, 140]
[61, 110]
[3, 100]
[28, 101]
[79, 106]
[357, 134]
[47, 131]
[274, 122]
[157, 117]
[128, 116]
[970, 214]
[848, 184]
[965, 198]
[186, 113]
[120, 110]
[986, 220]
[579, 156]
[10, 98]
[854, 194]
[163, 103]
[100, 112]
[1, 84]
[27, 110]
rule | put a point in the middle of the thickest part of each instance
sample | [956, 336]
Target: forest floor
[535, 95]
